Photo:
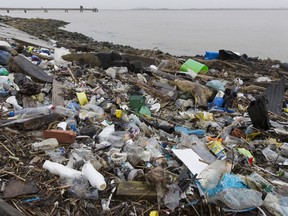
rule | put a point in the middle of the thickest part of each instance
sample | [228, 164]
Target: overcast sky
[128, 4]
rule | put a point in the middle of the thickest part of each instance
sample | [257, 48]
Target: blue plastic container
[210, 55]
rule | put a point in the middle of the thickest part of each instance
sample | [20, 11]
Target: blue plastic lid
[11, 114]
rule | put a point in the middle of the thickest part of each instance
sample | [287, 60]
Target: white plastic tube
[95, 178]
[61, 170]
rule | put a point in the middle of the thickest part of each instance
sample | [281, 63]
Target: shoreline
[103, 33]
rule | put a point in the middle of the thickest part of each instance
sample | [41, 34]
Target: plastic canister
[210, 55]
[193, 65]
[82, 98]
[218, 100]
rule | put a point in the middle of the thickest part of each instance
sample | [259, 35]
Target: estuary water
[262, 33]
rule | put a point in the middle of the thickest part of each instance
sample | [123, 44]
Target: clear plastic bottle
[94, 110]
[71, 124]
[33, 111]
[64, 111]
[46, 144]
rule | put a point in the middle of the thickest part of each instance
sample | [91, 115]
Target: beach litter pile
[112, 133]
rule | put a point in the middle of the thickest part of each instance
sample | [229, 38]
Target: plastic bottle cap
[118, 113]
[11, 114]
[73, 127]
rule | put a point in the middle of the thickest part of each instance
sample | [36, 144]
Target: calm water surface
[262, 33]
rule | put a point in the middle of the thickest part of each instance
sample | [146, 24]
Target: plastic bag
[4, 57]
[217, 85]
[240, 198]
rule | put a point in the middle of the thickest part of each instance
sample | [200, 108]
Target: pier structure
[45, 10]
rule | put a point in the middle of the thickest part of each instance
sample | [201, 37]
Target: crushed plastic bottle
[80, 188]
[273, 156]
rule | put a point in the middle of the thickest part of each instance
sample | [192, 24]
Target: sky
[130, 4]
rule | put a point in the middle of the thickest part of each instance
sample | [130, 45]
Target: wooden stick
[8, 149]
[72, 75]
[13, 174]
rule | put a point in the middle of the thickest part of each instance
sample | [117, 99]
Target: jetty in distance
[25, 10]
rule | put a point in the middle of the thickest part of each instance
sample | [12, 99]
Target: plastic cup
[193, 65]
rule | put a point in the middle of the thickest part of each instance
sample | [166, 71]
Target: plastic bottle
[61, 170]
[96, 109]
[273, 156]
[30, 112]
[45, 144]
[95, 178]
[197, 146]
[81, 189]
[104, 134]
[118, 138]
[64, 111]
[71, 124]
[218, 100]
[153, 147]
[12, 100]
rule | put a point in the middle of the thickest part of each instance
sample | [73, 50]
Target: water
[261, 33]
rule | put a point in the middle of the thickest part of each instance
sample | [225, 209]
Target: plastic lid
[11, 114]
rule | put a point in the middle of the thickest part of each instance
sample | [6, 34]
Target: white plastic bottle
[95, 178]
[64, 111]
[61, 170]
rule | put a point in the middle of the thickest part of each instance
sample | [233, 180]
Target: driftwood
[57, 99]
[20, 64]
[252, 87]
[150, 90]
[8, 210]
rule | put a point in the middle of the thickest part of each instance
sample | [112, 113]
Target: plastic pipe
[61, 170]
[95, 178]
